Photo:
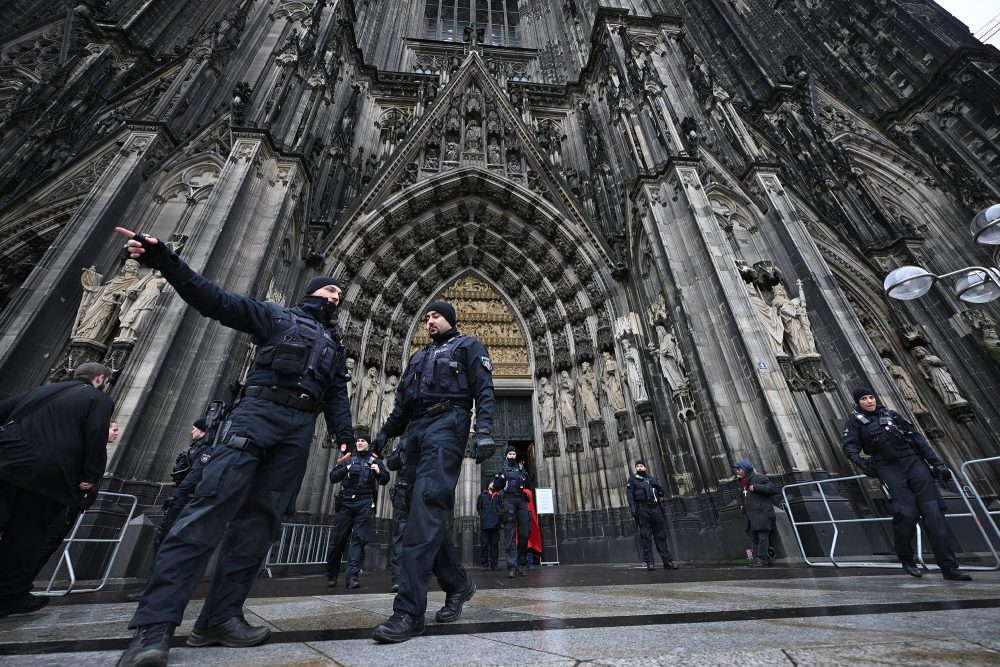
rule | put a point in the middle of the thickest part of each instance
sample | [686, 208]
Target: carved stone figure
[369, 397]
[612, 383]
[567, 400]
[769, 318]
[587, 382]
[98, 311]
[473, 137]
[139, 302]
[352, 380]
[388, 398]
[493, 152]
[935, 372]
[547, 405]
[795, 321]
[633, 369]
[905, 385]
[668, 353]
[451, 152]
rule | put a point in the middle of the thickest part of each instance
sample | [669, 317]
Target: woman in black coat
[759, 510]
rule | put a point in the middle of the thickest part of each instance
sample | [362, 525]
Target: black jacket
[60, 444]
[863, 432]
[757, 504]
[488, 506]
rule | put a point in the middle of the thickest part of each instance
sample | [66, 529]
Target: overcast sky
[974, 13]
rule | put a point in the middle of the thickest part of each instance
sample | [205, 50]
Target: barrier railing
[970, 488]
[836, 523]
[299, 544]
[66, 558]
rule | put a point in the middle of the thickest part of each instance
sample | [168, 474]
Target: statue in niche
[388, 398]
[98, 311]
[369, 397]
[633, 369]
[547, 405]
[795, 321]
[587, 382]
[139, 302]
[668, 353]
[905, 384]
[769, 318]
[612, 383]
[454, 121]
[451, 152]
[567, 400]
[431, 157]
[493, 152]
[352, 378]
[936, 373]
[473, 137]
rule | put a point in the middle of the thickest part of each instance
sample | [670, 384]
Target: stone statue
[451, 152]
[493, 152]
[935, 372]
[139, 302]
[369, 397]
[547, 405]
[388, 398]
[567, 400]
[905, 385]
[612, 383]
[770, 319]
[98, 312]
[352, 378]
[795, 321]
[633, 369]
[587, 382]
[473, 137]
[669, 355]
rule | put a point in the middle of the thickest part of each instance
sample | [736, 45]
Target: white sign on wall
[543, 501]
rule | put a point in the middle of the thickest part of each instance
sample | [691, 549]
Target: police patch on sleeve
[487, 364]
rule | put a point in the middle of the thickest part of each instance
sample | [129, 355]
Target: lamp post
[977, 284]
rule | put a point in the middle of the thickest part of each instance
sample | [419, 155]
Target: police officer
[512, 480]
[406, 471]
[433, 404]
[644, 492]
[185, 475]
[256, 469]
[899, 456]
[360, 475]
[488, 507]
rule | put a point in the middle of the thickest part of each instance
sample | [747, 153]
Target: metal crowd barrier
[835, 523]
[66, 558]
[299, 544]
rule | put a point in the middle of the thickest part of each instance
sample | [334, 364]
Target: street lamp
[977, 284]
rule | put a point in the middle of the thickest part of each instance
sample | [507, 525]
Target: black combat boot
[759, 562]
[353, 583]
[398, 628]
[670, 565]
[235, 633]
[331, 582]
[25, 605]
[954, 574]
[453, 602]
[911, 568]
[149, 647]
[650, 566]
[521, 572]
[395, 588]
[511, 572]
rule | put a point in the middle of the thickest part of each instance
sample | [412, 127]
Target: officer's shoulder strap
[860, 417]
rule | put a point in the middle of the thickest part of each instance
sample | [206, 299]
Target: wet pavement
[572, 615]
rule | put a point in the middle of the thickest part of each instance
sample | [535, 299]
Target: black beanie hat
[200, 424]
[509, 449]
[322, 281]
[445, 309]
[863, 391]
[640, 462]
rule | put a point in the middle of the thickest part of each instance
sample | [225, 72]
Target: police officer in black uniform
[512, 480]
[406, 471]
[361, 474]
[256, 470]
[433, 404]
[900, 457]
[644, 492]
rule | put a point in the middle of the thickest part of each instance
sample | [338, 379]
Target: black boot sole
[197, 641]
[382, 638]
[465, 598]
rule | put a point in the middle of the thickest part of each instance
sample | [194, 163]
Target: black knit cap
[322, 281]
[640, 462]
[863, 391]
[509, 449]
[200, 424]
[445, 309]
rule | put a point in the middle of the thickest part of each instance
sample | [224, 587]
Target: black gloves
[150, 250]
[939, 471]
[379, 442]
[484, 448]
[394, 461]
[869, 468]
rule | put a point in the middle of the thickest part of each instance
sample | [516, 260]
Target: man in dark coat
[757, 505]
[52, 450]
[899, 455]
[643, 492]
[488, 507]
[255, 471]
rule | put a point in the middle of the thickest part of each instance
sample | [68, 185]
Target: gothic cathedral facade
[669, 221]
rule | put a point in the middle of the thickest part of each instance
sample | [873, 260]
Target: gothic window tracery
[446, 19]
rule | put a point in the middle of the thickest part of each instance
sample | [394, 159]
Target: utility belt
[299, 401]
[437, 409]
[355, 496]
[648, 503]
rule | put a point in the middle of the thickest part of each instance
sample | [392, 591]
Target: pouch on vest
[290, 357]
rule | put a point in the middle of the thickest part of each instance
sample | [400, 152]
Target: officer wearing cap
[433, 405]
[186, 475]
[512, 480]
[900, 457]
[256, 470]
[644, 492]
[360, 475]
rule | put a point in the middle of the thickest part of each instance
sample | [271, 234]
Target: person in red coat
[535, 536]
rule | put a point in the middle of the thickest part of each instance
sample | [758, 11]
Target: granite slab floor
[705, 617]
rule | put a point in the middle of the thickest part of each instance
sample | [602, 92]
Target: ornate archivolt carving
[906, 386]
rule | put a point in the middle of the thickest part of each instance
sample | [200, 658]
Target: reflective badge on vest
[205, 457]
[487, 363]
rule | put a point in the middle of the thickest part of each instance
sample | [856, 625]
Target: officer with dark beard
[643, 492]
[256, 470]
[906, 465]
[360, 475]
[433, 404]
[512, 480]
